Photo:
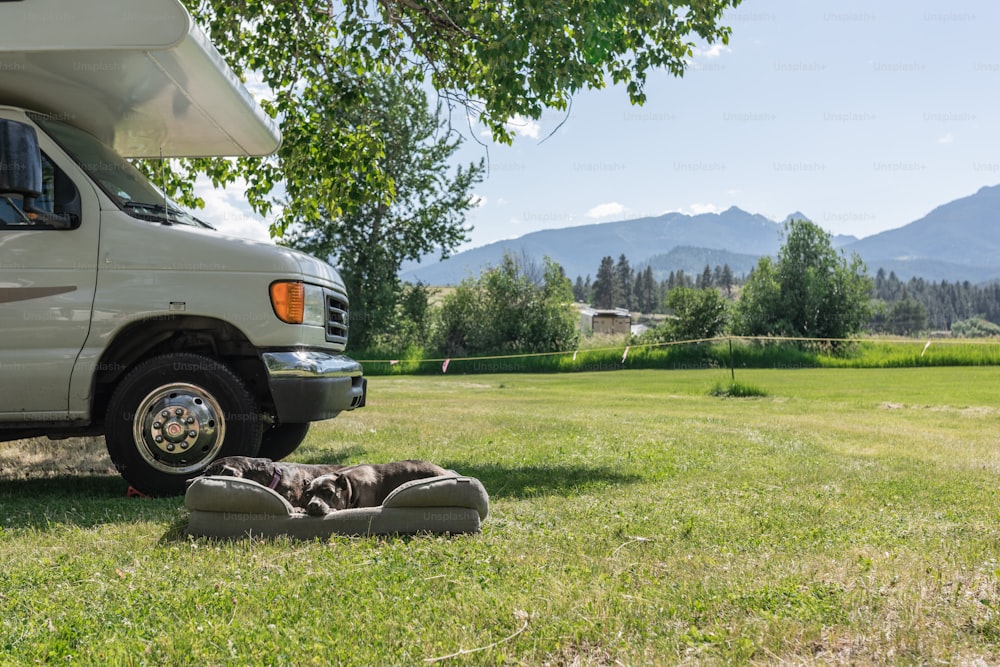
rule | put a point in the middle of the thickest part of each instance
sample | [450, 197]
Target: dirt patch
[37, 458]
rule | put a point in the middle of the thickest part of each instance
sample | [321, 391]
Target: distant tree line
[895, 307]
[917, 305]
[618, 285]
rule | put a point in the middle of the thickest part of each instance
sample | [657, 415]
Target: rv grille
[336, 318]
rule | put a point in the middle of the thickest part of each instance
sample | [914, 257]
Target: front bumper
[311, 385]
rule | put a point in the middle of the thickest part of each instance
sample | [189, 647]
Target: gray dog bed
[236, 507]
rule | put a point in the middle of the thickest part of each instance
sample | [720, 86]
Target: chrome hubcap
[178, 427]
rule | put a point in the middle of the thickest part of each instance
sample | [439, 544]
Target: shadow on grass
[93, 500]
[514, 481]
[77, 500]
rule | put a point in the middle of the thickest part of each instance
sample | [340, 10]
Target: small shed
[606, 320]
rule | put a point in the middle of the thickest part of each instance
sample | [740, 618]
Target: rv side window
[58, 193]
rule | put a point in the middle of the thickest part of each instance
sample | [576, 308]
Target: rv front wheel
[174, 414]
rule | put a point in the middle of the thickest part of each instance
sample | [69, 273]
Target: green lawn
[846, 517]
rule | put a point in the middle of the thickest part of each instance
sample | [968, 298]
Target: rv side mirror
[20, 160]
[21, 175]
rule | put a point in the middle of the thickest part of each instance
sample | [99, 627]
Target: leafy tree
[501, 60]
[810, 291]
[699, 313]
[410, 325]
[424, 212]
[760, 301]
[505, 311]
[975, 327]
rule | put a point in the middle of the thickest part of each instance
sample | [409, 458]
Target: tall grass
[718, 353]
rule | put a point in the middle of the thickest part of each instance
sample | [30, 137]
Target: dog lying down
[320, 488]
[364, 485]
[289, 480]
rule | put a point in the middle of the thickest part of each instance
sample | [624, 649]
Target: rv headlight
[315, 307]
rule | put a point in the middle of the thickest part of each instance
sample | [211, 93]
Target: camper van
[120, 314]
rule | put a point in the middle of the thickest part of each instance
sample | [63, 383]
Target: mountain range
[957, 241]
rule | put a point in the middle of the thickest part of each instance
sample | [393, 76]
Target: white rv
[120, 314]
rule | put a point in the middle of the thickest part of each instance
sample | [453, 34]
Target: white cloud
[693, 209]
[478, 201]
[947, 139]
[519, 125]
[524, 127]
[608, 210]
[698, 209]
[713, 51]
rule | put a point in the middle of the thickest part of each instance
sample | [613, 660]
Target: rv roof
[138, 74]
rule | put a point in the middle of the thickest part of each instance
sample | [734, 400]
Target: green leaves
[499, 59]
[515, 307]
[404, 202]
[811, 291]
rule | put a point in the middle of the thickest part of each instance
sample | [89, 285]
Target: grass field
[845, 516]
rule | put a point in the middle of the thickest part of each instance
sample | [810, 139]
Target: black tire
[174, 414]
[283, 439]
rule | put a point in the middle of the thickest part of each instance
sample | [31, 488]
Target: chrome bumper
[310, 385]
[309, 364]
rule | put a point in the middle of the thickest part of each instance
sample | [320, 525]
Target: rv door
[49, 231]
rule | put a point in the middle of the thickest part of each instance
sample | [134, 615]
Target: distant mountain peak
[959, 240]
[797, 215]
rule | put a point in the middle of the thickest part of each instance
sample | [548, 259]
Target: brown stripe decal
[11, 294]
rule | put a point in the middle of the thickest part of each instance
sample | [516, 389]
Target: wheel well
[204, 335]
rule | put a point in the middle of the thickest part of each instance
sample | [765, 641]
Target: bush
[975, 327]
[508, 309]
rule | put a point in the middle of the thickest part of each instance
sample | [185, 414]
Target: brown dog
[290, 480]
[364, 485]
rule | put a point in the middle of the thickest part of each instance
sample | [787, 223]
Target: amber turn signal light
[288, 298]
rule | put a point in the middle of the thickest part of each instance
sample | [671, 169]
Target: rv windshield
[115, 175]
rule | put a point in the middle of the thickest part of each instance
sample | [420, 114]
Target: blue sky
[863, 116]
